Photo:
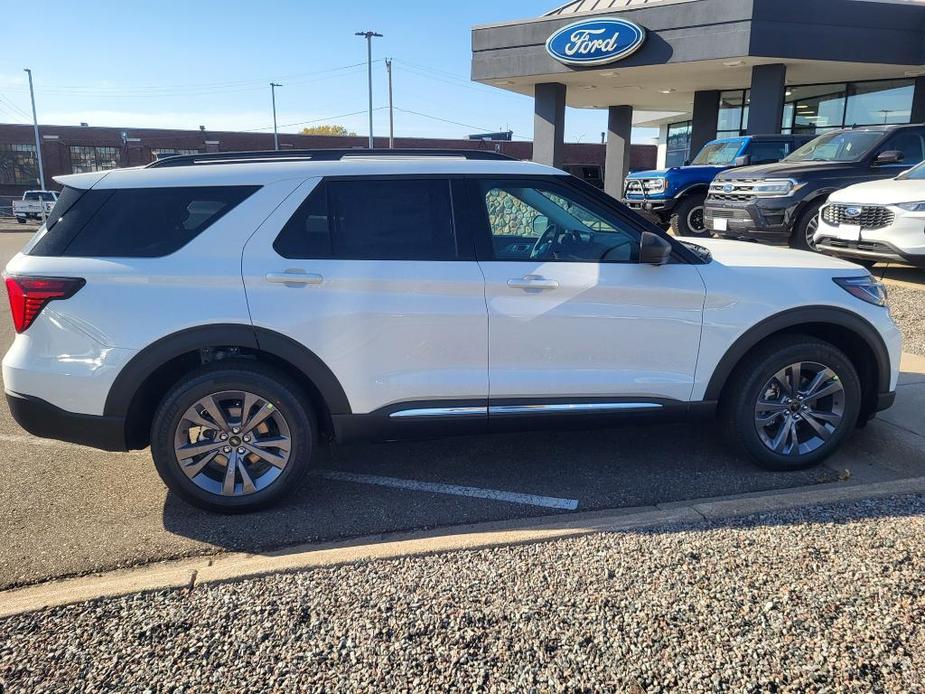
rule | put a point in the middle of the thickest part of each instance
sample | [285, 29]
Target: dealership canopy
[702, 68]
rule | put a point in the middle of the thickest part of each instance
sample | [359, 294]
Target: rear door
[574, 319]
[374, 276]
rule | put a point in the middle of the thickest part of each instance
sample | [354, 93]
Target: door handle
[294, 278]
[532, 282]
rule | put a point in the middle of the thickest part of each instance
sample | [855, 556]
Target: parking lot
[69, 510]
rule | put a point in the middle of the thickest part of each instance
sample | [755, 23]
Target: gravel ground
[825, 599]
[908, 308]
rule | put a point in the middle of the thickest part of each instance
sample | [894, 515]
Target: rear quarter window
[135, 222]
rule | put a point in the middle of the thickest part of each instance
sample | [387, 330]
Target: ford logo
[595, 41]
[728, 188]
[852, 211]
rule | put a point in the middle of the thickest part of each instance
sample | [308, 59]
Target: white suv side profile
[877, 221]
[234, 310]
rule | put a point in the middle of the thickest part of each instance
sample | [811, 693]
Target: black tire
[21, 220]
[807, 223]
[738, 408]
[684, 217]
[230, 375]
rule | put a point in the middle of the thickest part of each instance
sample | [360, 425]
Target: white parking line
[455, 490]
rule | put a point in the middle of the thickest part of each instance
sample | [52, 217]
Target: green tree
[339, 130]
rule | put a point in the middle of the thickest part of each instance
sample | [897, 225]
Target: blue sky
[174, 64]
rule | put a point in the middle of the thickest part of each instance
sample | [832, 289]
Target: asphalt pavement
[67, 510]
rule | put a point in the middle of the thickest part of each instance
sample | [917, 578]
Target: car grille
[867, 216]
[736, 189]
[634, 187]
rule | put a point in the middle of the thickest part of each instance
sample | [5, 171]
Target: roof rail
[208, 158]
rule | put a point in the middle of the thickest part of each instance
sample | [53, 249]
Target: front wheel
[233, 436]
[805, 231]
[687, 217]
[792, 402]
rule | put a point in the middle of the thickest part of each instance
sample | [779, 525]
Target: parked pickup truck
[35, 204]
[674, 197]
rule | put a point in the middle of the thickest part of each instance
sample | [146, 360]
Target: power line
[316, 120]
[452, 122]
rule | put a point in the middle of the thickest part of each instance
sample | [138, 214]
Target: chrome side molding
[553, 408]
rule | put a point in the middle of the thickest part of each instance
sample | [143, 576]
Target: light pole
[273, 86]
[35, 126]
[388, 67]
[369, 36]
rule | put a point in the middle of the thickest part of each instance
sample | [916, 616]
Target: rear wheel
[805, 229]
[687, 217]
[792, 402]
[234, 436]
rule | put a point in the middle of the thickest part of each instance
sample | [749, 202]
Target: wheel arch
[851, 333]
[693, 188]
[143, 382]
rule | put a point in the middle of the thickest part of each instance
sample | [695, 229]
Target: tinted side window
[373, 220]
[138, 222]
[910, 143]
[768, 152]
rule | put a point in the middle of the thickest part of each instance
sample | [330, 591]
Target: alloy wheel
[232, 443]
[799, 408]
[811, 228]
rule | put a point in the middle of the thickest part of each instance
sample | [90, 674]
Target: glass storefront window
[818, 108]
[733, 113]
[679, 144]
[875, 103]
[18, 165]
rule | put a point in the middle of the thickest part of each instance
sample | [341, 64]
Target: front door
[573, 316]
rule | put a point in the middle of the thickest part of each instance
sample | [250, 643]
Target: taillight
[29, 295]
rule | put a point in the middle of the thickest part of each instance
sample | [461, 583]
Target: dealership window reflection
[821, 107]
[733, 113]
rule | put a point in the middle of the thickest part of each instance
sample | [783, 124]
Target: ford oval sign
[595, 41]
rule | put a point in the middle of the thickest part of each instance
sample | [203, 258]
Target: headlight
[775, 187]
[912, 206]
[864, 288]
[655, 185]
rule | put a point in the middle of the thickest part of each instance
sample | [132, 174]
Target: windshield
[845, 145]
[718, 153]
[916, 173]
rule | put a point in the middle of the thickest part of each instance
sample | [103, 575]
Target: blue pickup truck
[674, 197]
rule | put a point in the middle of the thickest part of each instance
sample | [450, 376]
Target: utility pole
[273, 86]
[388, 67]
[35, 126]
[369, 36]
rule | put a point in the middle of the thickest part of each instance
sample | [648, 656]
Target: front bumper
[903, 241]
[769, 220]
[656, 209]
[43, 419]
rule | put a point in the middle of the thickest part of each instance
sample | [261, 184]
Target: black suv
[779, 203]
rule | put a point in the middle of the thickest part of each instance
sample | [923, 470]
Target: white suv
[877, 221]
[234, 310]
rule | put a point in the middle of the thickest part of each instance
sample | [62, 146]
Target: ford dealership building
[701, 69]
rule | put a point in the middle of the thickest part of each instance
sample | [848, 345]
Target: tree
[339, 130]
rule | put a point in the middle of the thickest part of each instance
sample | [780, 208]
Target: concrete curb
[188, 573]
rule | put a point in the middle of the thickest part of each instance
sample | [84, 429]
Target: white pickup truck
[35, 204]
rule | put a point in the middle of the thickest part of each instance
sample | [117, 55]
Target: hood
[785, 169]
[745, 254]
[652, 173]
[885, 192]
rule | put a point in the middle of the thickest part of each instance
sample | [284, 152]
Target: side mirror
[744, 160]
[687, 162]
[890, 156]
[653, 249]
[540, 224]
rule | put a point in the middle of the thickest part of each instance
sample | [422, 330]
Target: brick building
[73, 149]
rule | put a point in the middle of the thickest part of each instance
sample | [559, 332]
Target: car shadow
[630, 466]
